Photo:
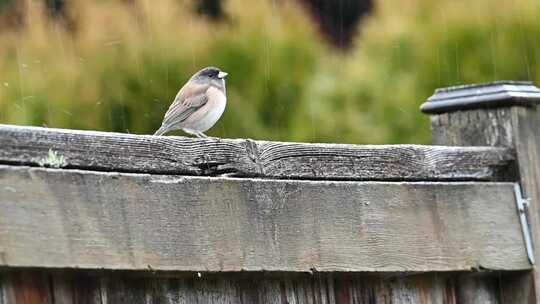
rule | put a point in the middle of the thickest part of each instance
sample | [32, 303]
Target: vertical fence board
[77, 289]
[517, 288]
[478, 289]
[126, 290]
[62, 290]
[28, 287]
[184, 289]
[7, 294]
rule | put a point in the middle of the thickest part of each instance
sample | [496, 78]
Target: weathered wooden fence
[94, 217]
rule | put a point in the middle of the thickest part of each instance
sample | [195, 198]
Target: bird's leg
[202, 135]
[211, 137]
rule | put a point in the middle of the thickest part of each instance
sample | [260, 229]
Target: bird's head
[212, 74]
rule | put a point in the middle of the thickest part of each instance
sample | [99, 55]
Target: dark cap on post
[488, 95]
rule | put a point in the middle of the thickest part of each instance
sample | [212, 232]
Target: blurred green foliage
[123, 63]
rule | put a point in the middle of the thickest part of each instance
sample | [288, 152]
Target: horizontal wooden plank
[84, 219]
[247, 158]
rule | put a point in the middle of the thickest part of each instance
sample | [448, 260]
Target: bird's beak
[222, 75]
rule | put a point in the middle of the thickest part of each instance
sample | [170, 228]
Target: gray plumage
[198, 105]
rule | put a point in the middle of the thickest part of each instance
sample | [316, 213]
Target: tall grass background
[120, 63]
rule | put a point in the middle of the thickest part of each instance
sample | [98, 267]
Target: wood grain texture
[84, 219]
[247, 158]
[255, 288]
[481, 127]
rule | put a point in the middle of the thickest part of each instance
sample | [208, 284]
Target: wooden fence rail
[118, 152]
[96, 217]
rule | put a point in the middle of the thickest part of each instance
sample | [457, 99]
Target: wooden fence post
[502, 113]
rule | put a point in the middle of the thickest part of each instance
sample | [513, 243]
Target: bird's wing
[188, 100]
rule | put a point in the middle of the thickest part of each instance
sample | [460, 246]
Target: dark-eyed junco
[198, 105]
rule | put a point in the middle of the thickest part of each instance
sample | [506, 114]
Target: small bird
[198, 105]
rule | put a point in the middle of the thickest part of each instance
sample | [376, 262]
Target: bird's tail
[162, 130]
